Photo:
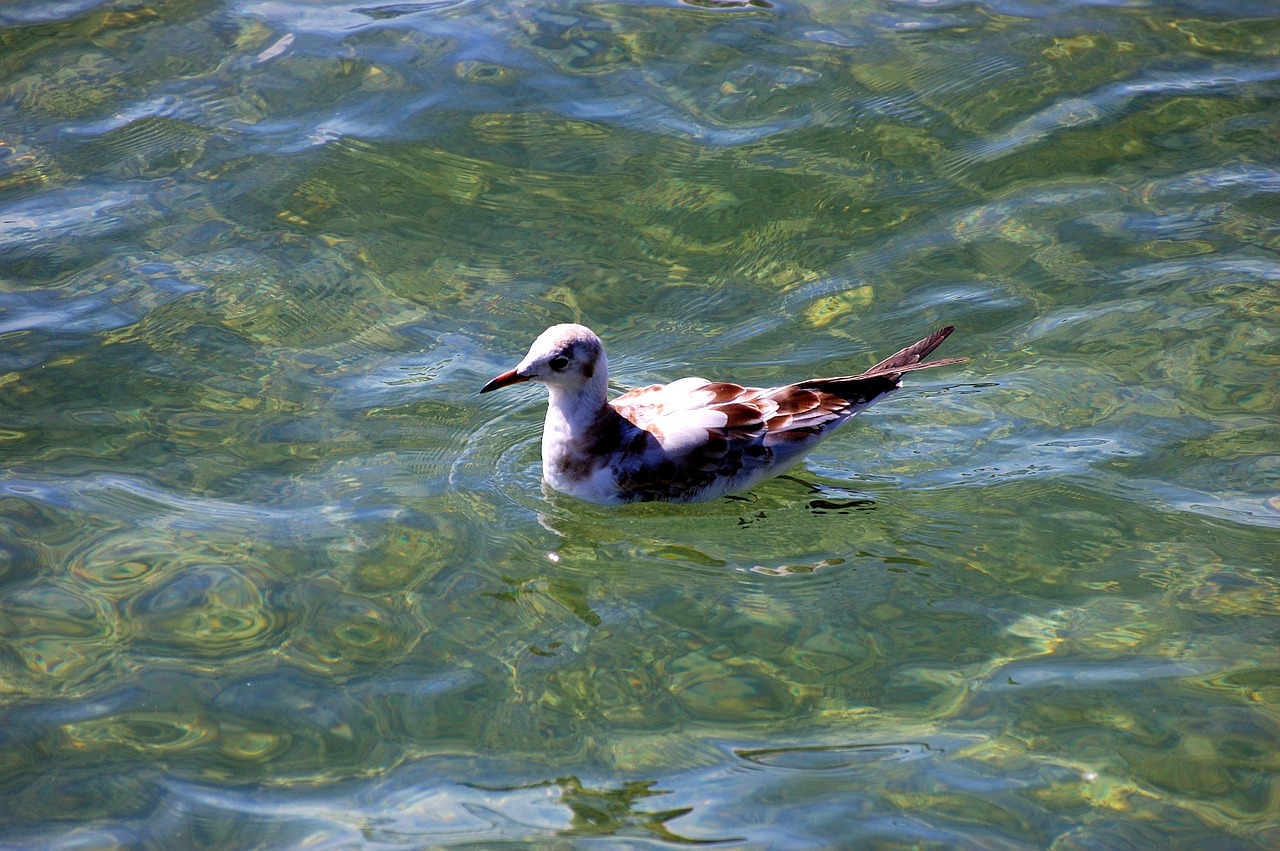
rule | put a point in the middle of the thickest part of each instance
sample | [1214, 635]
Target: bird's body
[689, 440]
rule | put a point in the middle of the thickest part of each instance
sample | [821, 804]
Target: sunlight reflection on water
[271, 573]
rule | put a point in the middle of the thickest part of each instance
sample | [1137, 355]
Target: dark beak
[505, 380]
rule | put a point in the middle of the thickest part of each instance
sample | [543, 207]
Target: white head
[566, 358]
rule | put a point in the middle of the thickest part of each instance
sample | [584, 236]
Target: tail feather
[911, 367]
[913, 353]
[883, 377]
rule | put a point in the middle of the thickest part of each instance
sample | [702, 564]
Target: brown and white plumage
[691, 439]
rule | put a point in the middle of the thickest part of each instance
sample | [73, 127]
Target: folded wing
[706, 431]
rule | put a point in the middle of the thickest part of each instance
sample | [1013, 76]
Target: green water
[273, 575]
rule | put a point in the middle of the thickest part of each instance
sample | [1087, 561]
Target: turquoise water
[272, 574]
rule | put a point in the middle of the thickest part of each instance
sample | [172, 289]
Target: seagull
[690, 440]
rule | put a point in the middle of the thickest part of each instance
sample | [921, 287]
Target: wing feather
[696, 434]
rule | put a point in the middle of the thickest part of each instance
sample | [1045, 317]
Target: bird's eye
[559, 362]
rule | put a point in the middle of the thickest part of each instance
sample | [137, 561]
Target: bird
[690, 440]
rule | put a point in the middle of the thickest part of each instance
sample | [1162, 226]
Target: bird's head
[564, 357]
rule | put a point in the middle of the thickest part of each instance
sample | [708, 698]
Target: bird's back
[695, 439]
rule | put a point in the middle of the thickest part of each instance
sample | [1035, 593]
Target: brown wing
[716, 431]
[685, 414]
[696, 432]
[803, 416]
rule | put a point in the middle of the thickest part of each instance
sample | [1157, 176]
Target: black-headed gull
[691, 439]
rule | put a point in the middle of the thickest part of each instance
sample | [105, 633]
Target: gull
[692, 439]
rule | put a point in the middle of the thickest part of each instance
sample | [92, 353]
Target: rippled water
[273, 575]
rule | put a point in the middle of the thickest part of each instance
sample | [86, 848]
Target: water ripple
[61, 217]
[28, 12]
[1111, 102]
[116, 495]
[858, 757]
[272, 574]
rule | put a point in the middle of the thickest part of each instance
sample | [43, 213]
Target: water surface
[272, 574]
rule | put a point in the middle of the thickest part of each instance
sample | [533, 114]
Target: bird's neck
[580, 428]
[574, 411]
